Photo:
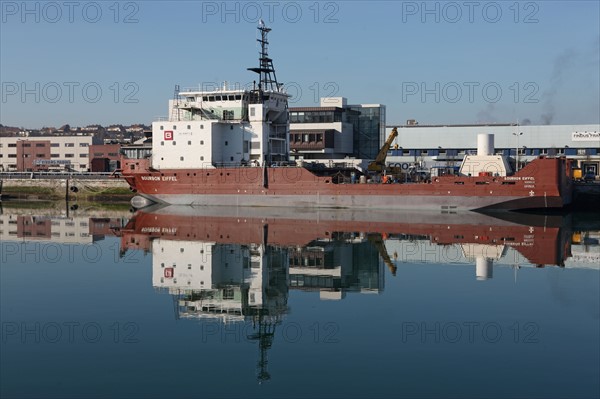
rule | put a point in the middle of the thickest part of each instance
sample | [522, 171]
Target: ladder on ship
[175, 111]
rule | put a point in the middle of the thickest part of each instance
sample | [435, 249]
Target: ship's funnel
[484, 268]
[485, 144]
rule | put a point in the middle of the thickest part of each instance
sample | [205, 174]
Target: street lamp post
[517, 150]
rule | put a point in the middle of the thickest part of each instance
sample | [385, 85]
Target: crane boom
[379, 163]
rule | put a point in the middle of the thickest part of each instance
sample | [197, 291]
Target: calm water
[181, 302]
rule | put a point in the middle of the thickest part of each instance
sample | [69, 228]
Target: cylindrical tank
[485, 144]
[484, 268]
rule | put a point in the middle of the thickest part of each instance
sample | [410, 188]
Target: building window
[39, 144]
[189, 142]
[174, 127]
[83, 155]
[201, 142]
[189, 127]
[55, 145]
[69, 155]
[202, 158]
[55, 155]
[228, 293]
[69, 144]
[26, 145]
[181, 158]
[174, 143]
[40, 155]
[83, 144]
[12, 145]
[161, 128]
[252, 111]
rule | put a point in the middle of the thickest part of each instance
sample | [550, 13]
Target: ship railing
[212, 87]
[54, 175]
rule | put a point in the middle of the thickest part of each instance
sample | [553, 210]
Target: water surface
[221, 302]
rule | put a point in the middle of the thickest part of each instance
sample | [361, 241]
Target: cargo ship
[230, 146]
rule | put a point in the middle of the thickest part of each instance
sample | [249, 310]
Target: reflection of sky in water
[335, 321]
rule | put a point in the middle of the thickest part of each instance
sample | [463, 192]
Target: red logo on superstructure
[169, 272]
[168, 135]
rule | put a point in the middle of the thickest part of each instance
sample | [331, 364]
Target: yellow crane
[377, 241]
[378, 164]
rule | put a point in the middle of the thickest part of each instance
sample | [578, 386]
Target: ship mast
[265, 70]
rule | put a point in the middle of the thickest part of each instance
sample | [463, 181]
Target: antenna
[266, 71]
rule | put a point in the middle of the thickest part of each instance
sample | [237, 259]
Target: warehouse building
[444, 146]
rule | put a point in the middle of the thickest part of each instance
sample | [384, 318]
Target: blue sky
[437, 62]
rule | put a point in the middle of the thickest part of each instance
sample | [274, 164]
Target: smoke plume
[561, 65]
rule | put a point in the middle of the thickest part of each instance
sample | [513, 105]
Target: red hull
[544, 183]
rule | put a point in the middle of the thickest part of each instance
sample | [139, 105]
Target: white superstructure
[226, 127]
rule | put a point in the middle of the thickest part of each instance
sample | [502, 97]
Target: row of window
[223, 97]
[505, 152]
[315, 117]
[306, 137]
[175, 127]
[13, 145]
[44, 155]
[102, 154]
[189, 142]
[29, 145]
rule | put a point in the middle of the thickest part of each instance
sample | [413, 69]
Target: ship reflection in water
[237, 265]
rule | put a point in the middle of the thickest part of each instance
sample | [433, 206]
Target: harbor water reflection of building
[236, 265]
[65, 227]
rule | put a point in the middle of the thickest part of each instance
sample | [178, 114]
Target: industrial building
[336, 130]
[444, 146]
[44, 153]
[74, 153]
